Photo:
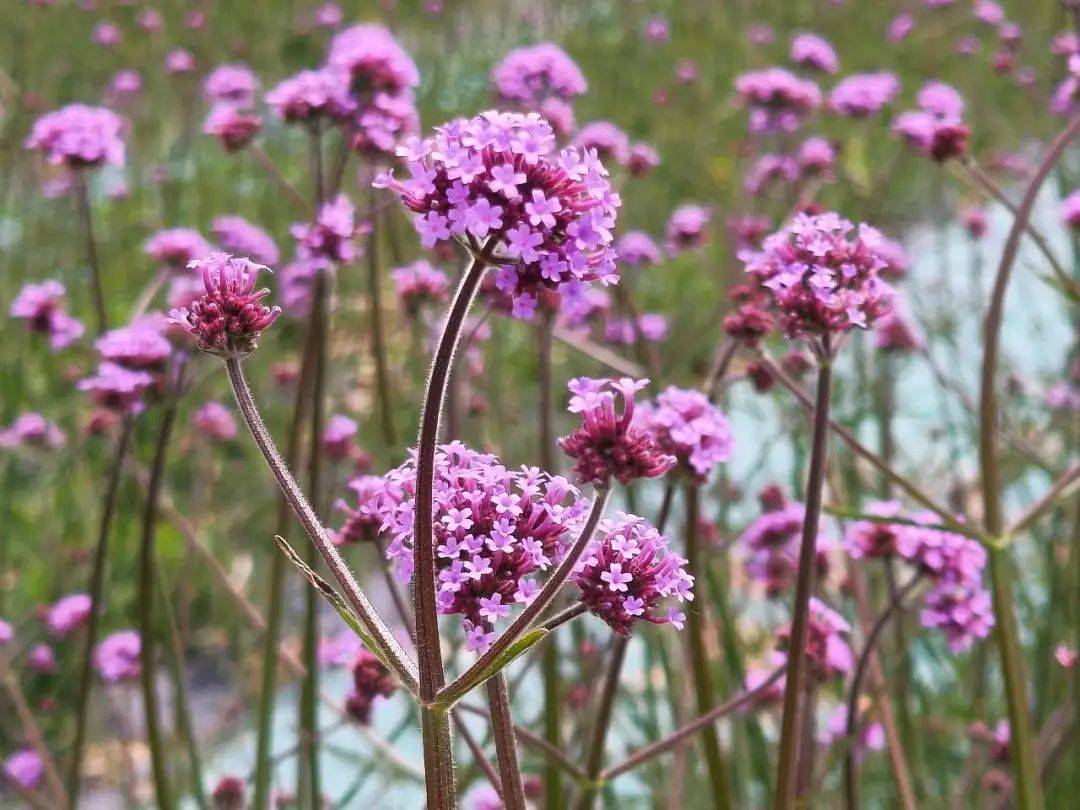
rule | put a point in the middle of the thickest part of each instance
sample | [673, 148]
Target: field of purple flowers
[655, 403]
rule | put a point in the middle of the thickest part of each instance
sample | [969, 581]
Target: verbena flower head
[214, 421]
[371, 679]
[174, 248]
[778, 100]
[686, 230]
[179, 61]
[31, 430]
[813, 52]
[498, 176]
[643, 158]
[79, 137]
[822, 281]
[312, 95]
[68, 614]
[338, 436]
[771, 545]
[330, 237]
[1070, 210]
[419, 283]
[863, 94]
[229, 794]
[941, 554]
[897, 331]
[40, 658]
[7, 633]
[493, 530]
[872, 539]
[609, 142]
[235, 85]
[229, 316]
[241, 238]
[117, 657]
[637, 248]
[363, 522]
[627, 571]
[232, 126]
[690, 428]
[963, 612]
[140, 346]
[118, 389]
[609, 444]
[25, 768]
[816, 158]
[936, 128]
[940, 99]
[42, 307]
[530, 75]
[373, 60]
[827, 653]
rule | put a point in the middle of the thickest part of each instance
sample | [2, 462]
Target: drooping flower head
[609, 444]
[363, 522]
[530, 75]
[117, 657]
[690, 428]
[778, 100]
[499, 177]
[312, 95]
[822, 281]
[42, 307]
[174, 248]
[241, 238]
[419, 283]
[493, 530]
[79, 137]
[827, 652]
[627, 571]
[861, 95]
[68, 613]
[229, 316]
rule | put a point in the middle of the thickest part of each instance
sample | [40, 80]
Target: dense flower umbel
[865, 538]
[312, 95]
[821, 280]
[498, 176]
[31, 430]
[609, 444]
[231, 84]
[863, 94]
[228, 317]
[686, 230]
[214, 421]
[690, 428]
[771, 546]
[532, 74]
[363, 523]
[627, 571]
[493, 529]
[117, 389]
[232, 126]
[778, 99]
[140, 346]
[117, 657]
[371, 679]
[813, 52]
[419, 283]
[373, 60]
[174, 248]
[827, 653]
[42, 307]
[79, 137]
[330, 237]
[68, 614]
[241, 238]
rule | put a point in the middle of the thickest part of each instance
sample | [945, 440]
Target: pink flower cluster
[174, 248]
[117, 657]
[312, 95]
[371, 679]
[690, 428]
[637, 248]
[79, 137]
[828, 654]
[31, 430]
[419, 283]
[493, 529]
[609, 444]
[936, 128]
[778, 100]
[530, 75]
[499, 177]
[68, 614]
[627, 571]
[822, 281]
[214, 421]
[813, 52]
[228, 317]
[861, 95]
[42, 307]
[686, 229]
[241, 238]
[330, 238]
[771, 544]
[363, 523]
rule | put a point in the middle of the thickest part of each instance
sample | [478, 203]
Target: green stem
[378, 339]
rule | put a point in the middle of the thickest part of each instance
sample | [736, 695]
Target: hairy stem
[513, 794]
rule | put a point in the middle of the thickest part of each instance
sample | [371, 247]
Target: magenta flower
[1065, 656]
[816, 158]
[1070, 210]
[690, 428]
[214, 421]
[827, 653]
[31, 430]
[494, 530]
[964, 613]
[125, 85]
[373, 60]
[312, 95]
[297, 286]
[371, 679]
[771, 545]
[863, 94]
[871, 539]
[118, 389]
[869, 736]
[419, 283]
[751, 320]
[686, 230]
[976, 222]
[821, 280]
[68, 614]
[228, 317]
[329, 15]
[42, 307]
[106, 34]
[938, 137]
[941, 100]
[241, 238]
[7, 633]
[231, 85]
[896, 330]
[899, 27]
[609, 142]
[637, 248]
[176, 247]
[813, 52]
[179, 61]
[149, 20]
[530, 75]
[140, 346]
[627, 571]
[330, 237]
[643, 158]
[497, 176]
[609, 444]
[363, 522]
[232, 126]
[79, 137]
[41, 659]
[229, 794]
[777, 99]
[338, 436]
[25, 768]
[117, 657]
[769, 170]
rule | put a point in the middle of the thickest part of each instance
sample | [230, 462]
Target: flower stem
[97, 588]
[386, 646]
[595, 756]
[91, 251]
[791, 725]
[513, 794]
[378, 339]
[699, 663]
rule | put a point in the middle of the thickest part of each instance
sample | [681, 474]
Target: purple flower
[228, 317]
[863, 94]
[899, 27]
[963, 612]
[311, 95]
[778, 100]
[140, 346]
[41, 659]
[941, 100]
[686, 229]
[610, 444]
[338, 436]
[31, 430]
[869, 736]
[771, 545]
[821, 280]
[816, 158]
[371, 679]
[609, 142]
[690, 428]
[330, 237]
[229, 794]
[233, 85]
[636, 248]
[117, 657]
[232, 126]
[896, 330]
[241, 238]
[419, 283]
[493, 529]
[657, 29]
[68, 614]
[555, 224]
[364, 521]
[937, 137]
[214, 421]
[827, 653]
[106, 34]
[79, 137]
[25, 768]
[118, 389]
[6, 633]
[42, 307]
[813, 52]
[627, 571]
[770, 169]
[532, 74]
[373, 60]
[179, 61]
[1070, 210]
[176, 247]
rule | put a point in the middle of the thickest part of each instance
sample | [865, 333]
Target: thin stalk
[91, 251]
[513, 794]
[271, 169]
[378, 339]
[435, 723]
[386, 646]
[563, 616]
[97, 588]
[804, 585]
[699, 663]
[148, 671]
[595, 756]
[1025, 766]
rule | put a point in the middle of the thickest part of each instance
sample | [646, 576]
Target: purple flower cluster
[311, 96]
[371, 679]
[896, 331]
[690, 428]
[861, 95]
[813, 52]
[338, 437]
[140, 346]
[821, 280]
[233, 126]
[25, 768]
[68, 614]
[419, 283]
[493, 529]
[531, 75]
[175, 248]
[214, 421]
[828, 654]
[330, 238]
[778, 100]
[771, 544]
[228, 317]
[637, 248]
[117, 389]
[686, 229]
[231, 84]
[31, 430]
[241, 238]
[936, 128]
[363, 523]
[117, 657]
[79, 137]
[499, 177]
[610, 444]
[42, 307]
[627, 571]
